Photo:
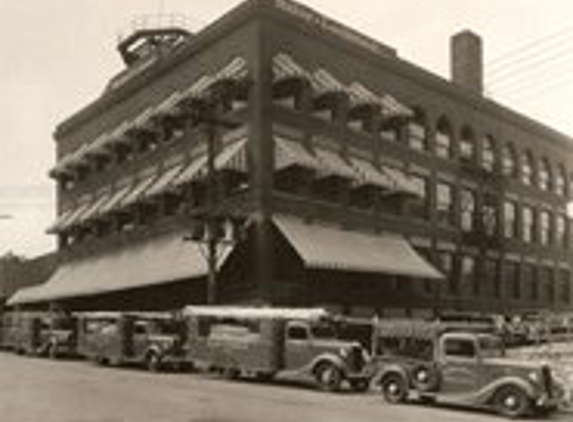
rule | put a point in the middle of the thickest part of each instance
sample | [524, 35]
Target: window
[565, 286]
[547, 284]
[445, 203]
[561, 230]
[512, 279]
[509, 160]
[390, 132]
[419, 208]
[529, 276]
[527, 173]
[417, 133]
[528, 224]
[468, 207]
[460, 348]
[509, 219]
[489, 215]
[297, 332]
[545, 175]
[561, 181]
[491, 277]
[488, 154]
[545, 228]
[443, 139]
[446, 264]
[467, 275]
[467, 145]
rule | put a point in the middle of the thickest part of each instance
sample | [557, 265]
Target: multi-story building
[358, 179]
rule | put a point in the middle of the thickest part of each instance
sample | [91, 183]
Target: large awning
[330, 248]
[332, 164]
[154, 262]
[163, 182]
[290, 153]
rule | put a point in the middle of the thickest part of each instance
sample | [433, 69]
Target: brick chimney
[467, 61]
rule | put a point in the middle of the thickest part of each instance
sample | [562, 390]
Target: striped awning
[233, 157]
[159, 261]
[168, 106]
[360, 96]
[370, 175]
[329, 248]
[191, 170]
[197, 89]
[284, 67]
[138, 190]
[235, 70]
[95, 207]
[75, 217]
[402, 183]
[332, 164]
[59, 224]
[163, 182]
[290, 153]
[322, 82]
[115, 198]
[392, 108]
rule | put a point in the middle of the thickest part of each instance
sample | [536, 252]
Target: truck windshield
[491, 347]
[167, 327]
[323, 331]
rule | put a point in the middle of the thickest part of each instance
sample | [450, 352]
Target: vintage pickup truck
[430, 362]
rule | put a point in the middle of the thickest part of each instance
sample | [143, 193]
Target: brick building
[360, 181]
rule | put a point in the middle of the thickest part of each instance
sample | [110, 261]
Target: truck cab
[465, 367]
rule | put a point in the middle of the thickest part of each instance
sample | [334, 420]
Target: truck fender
[329, 358]
[153, 349]
[487, 394]
[390, 369]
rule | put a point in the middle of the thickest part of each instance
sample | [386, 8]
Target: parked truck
[433, 362]
[266, 342]
[154, 340]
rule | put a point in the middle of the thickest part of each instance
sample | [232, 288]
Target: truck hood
[512, 363]
[335, 344]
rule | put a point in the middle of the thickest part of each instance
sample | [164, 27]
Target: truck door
[298, 345]
[459, 365]
[140, 339]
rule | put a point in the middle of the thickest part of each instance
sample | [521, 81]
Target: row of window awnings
[150, 184]
[325, 162]
[170, 258]
[286, 69]
[233, 72]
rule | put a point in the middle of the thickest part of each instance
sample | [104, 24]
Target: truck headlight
[344, 352]
[534, 377]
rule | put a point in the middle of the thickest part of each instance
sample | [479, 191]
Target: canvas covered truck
[429, 361]
[38, 333]
[154, 340]
[267, 342]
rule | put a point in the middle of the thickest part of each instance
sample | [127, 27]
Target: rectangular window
[419, 208]
[446, 264]
[545, 228]
[509, 219]
[565, 286]
[547, 285]
[561, 231]
[468, 275]
[531, 281]
[445, 203]
[491, 278]
[528, 224]
[468, 207]
[417, 136]
[512, 279]
[489, 215]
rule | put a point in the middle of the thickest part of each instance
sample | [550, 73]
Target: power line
[534, 62]
[524, 95]
[525, 49]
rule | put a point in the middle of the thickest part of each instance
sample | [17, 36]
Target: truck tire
[425, 378]
[328, 376]
[153, 362]
[394, 388]
[511, 401]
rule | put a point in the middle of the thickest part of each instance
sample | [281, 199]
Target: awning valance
[370, 175]
[154, 262]
[163, 181]
[332, 164]
[335, 249]
[139, 189]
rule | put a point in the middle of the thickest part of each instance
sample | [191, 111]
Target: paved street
[35, 390]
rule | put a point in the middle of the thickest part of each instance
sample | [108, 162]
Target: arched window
[443, 138]
[527, 172]
[561, 181]
[417, 132]
[488, 153]
[467, 145]
[545, 175]
[509, 160]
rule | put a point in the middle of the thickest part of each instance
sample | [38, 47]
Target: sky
[57, 55]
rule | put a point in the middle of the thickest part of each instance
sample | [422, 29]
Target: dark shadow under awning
[154, 262]
[335, 249]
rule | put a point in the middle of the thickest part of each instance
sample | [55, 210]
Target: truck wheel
[329, 377]
[511, 401]
[153, 362]
[425, 378]
[394, 388]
